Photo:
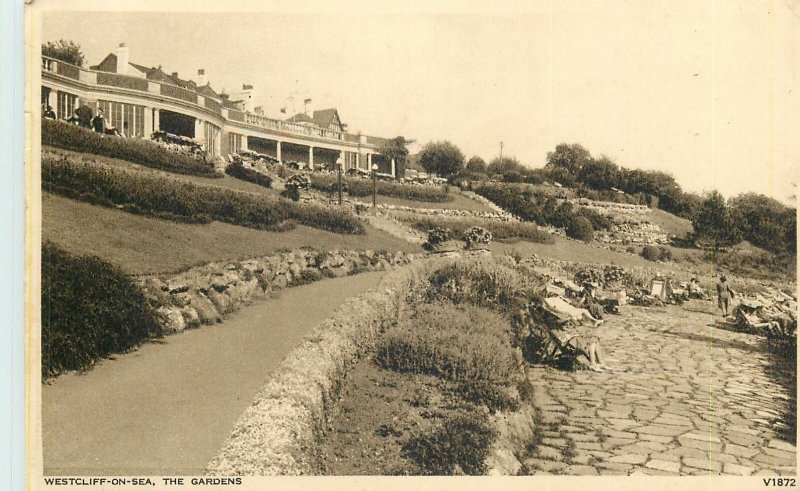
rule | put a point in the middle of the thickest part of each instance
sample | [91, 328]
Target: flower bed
[500, 230]
[363, 187]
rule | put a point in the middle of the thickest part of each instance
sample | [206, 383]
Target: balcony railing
[127, 82]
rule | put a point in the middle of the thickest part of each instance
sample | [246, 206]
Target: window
[65, 104]
[234, 143]
[127, 118]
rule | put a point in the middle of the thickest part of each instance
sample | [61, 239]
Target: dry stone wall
[205, 294]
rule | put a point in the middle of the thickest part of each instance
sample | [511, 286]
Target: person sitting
[49, 113]
[99, 122]
[567, 312]
[589, 301]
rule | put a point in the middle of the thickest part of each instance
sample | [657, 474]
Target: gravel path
[693, 399]
[166, 408]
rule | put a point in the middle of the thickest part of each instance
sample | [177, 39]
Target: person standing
[724, 295]
[99, 122]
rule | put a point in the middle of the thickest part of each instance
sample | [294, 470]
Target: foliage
[436, 237]
[477, 236]
[505, 165]
[291, 193]
[476, 164]
[184, 201]
[455, 343]
[764, 222]
[580, 228]
[713, 221]
[656, 253]
[66, 51]
[144, 152]
[460, 445]
[441, 158]
[238, 170]
[90, 309]
[500, 230]
[358, 187]
[395, 148]
[299, 181]
[569, 158]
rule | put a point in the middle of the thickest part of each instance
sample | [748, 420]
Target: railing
[140, 84]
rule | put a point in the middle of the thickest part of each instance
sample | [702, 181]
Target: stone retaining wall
[205, 294]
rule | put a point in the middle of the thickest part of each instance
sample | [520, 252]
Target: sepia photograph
[528, 240]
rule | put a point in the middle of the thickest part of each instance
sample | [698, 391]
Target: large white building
[138, 101]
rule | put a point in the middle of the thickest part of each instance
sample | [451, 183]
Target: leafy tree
[395, 148]
[505, 165]
[713, 221]
[570, 158]
[580, 228]
[442, 158]
[476, 164]
[600, 173]
[764, 221]
[66, 51]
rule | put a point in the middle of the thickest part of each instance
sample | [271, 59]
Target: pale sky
[707, 91]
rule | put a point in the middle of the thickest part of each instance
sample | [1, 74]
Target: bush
[90, 309]
[656, 253]
[436, 237]
[187, 202]
[144, 152]
[291, 193]
[499, 230]
[462, 443]
[580, 228]
[477, 236]
[239, 171]
[358, 187]
[460, 344]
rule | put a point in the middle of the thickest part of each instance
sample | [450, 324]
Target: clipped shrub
[656, 253]
[90, 310]
[144, 152]
[580, 228]
[184, 201]
[436, 237]
[460, 445]
[477, 236]
[239, 171]
[359, 187]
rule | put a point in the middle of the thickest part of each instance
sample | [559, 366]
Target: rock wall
[205, 294]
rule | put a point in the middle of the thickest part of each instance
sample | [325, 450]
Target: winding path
[693, 399]
[166, 408]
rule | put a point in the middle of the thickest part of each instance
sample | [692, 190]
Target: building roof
[322, 118]
[301, 118]
[109, 64]
[207, 91]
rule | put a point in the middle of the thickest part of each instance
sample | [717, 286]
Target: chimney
[248, 93]
[175, 74]
[258, 110]
[201, 77]
[121, 53]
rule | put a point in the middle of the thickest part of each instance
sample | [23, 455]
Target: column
[198, 129]
[217, 142]
[278, 151]
[244, 142]
[369, 162]
[358, 160]
[311, 158]
[148, 122]
[393, 165]
[341, 159]
[156, 120]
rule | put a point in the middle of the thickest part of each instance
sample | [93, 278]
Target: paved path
[168, 407]
[696, 399]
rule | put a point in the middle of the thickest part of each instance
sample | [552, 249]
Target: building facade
[139, 101]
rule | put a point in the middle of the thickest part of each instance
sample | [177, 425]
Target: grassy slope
[148, 245]
[459, 202]
[669, 223]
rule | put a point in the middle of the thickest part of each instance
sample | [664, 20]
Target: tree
[476, 164]
[505, 165]
[600, 174]
[66, 51]
[441, 158]
[763, 221]
[570, 158]
[713, 221]
[395, 148]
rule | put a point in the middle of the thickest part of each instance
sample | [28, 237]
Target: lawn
[459, 202]
[140, 244]
[669, 223]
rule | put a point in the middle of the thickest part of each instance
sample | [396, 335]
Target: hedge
[90, 309]
[239, 171]
[183, 201]
[500, 230]
[144, 152]
[358, 187]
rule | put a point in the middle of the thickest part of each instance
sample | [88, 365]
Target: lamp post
[339, 179]
[374, 185]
